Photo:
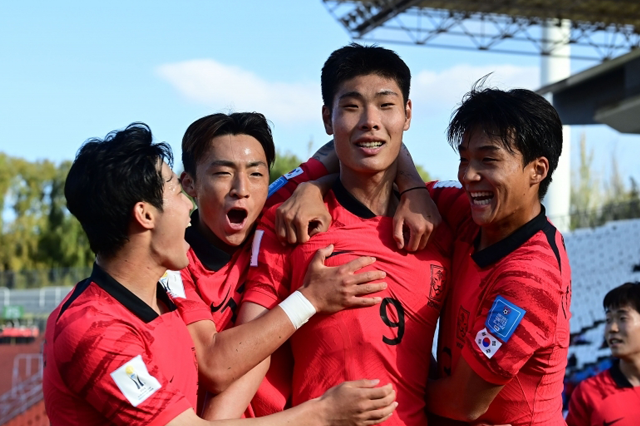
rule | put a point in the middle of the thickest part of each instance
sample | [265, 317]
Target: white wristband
[298, 309]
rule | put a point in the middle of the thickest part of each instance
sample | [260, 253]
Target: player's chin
[235, 238]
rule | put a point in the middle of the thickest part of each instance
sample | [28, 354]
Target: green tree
[285, 162]
[41, 234]
[585, 190]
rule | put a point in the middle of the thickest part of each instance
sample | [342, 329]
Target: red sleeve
[525, 286]
[451, 201]
[282, 188]
[269, 277]
[580, 407]
[192, 308]
[99, 373]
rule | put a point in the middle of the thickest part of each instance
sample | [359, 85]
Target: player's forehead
[233, 150]
[483, 139]
[365, 85]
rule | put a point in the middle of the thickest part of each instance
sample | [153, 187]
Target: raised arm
[417, 215]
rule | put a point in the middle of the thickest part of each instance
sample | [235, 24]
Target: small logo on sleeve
[503, 318]
[293, 173]
[135, 382]
[488, 344]
[171, 281]
[255, 246]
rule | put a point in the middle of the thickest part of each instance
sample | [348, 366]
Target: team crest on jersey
[463, 323]
[503, 318]
[437, 290]
[172, 283]
[255, 246]
[134, 381]
[488, 344]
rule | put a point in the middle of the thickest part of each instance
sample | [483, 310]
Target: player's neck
[375, 191]
[213, 239]
[498, 231]
[630, 367]
[138, 275]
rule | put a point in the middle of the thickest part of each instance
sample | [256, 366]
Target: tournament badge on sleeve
[134, 381]
[503, 318]
[171, 281]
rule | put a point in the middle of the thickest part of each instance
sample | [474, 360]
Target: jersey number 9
[399, 313]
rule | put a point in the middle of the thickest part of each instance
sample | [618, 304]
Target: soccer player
[612, 397]
[226, 159]
[117, 352]
[504, 329]
[366, 109]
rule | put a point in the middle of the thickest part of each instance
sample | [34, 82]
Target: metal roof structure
[600, 29]
[608, 93]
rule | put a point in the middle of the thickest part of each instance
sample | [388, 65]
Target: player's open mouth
[613, 342]
[237, 218]
[481, 198]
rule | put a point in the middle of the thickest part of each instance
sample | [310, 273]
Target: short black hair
[108, 177]
[628, 294]
[196, 140]
[355, 60]
[520, 118]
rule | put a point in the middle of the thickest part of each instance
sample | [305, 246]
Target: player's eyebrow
[227, 163]
[484, 148]
[256, 163]
[358, 95]
[222, 163]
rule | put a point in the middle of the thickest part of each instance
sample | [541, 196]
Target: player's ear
[539, 170]
[326, 119]
[144, 215]
[408, 111]
[188, 184]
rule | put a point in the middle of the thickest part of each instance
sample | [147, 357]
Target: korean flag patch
[503, 318]
[488, 344]
[134, 381]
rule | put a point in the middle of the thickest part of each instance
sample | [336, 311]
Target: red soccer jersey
[606, 399]
[111, 360]
[507, 313]
[213, 283]
[392, 341]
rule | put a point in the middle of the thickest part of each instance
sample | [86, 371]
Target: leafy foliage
[39, 233]
[592, 203]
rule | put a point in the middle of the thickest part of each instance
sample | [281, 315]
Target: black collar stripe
[618, 377]
[350, 202]
[505, 247]
[129, 300]
[77, 291]
[211, 256]
[550, 231]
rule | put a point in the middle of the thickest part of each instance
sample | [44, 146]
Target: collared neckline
[129, 300]
[508, 245]
[618, 377]
[351, 203]
[209, 255]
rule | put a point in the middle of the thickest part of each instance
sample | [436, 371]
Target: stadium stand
[601, 259]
